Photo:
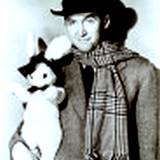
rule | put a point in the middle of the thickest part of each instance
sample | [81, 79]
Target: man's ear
[106, 21]
[42, 46]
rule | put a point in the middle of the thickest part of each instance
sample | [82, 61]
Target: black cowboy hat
[100, 6]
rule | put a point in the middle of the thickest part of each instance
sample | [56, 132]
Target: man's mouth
[84, 40]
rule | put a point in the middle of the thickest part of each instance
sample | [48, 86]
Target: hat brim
[58, 13]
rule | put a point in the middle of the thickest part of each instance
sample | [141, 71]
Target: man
[112, 105]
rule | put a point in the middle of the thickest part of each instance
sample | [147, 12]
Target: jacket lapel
[75, 88]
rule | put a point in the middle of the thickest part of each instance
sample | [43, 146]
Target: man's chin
[85, 48]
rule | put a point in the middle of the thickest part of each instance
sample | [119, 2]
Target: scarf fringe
[120, 157]
[95, 156]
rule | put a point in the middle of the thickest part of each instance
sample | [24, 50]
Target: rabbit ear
[42, 46]
[31, 48]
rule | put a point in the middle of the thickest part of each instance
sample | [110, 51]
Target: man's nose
[82, 31]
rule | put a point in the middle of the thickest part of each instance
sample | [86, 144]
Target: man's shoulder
[140, 63]
[141, 67]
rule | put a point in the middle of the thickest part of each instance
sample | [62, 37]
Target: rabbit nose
[44, 75]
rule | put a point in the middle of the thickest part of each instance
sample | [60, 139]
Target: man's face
[83, 30]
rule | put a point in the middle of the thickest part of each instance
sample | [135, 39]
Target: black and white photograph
[80, 80]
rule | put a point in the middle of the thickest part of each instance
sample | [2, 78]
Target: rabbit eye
[44, 75]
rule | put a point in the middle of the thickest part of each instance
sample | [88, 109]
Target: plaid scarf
[106, 116]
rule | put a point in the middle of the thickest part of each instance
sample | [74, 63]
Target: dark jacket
[140, 81]
[139, 77]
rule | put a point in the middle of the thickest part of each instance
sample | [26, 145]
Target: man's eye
[90, 20]
[71, 22]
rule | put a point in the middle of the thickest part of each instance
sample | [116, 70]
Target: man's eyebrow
[91, 15]
[69, 18]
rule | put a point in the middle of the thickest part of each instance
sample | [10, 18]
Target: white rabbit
[39, 135]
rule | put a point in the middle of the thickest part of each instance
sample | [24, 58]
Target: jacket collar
[104, 55]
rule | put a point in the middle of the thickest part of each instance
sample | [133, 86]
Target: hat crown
[79, 6]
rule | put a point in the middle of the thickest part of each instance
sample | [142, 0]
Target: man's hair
[120, 24]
